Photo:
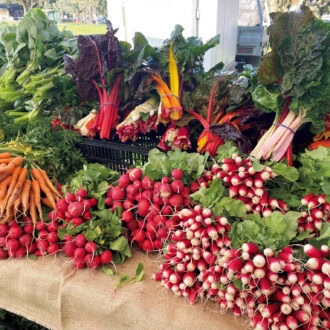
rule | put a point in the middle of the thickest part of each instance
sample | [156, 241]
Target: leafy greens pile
[32, 77]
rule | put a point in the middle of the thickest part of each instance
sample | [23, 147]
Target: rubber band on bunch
[108, 103]
[287, 127]
[166, 95]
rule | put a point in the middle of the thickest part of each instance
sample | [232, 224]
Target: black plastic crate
[117, 155]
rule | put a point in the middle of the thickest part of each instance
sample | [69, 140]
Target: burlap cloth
[50, 293]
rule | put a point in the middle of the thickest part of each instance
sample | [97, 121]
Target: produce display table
[51, 293]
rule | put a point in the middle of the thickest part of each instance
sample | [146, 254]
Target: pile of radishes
[148, 206]
[191, 268]
[16, 241]
[245, 184]
[316, 211]
[274, 290]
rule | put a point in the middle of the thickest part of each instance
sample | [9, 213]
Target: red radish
[3, 254]
[307, 199]
[90, 247]
[79, 263]
[20, 253]
[137, 184]
[75, 209]
[77, 221]
[233, 191]
[53, 249]
[52, 226]
[80, 240]
[139, 235]
[87, 215]
[25, 240]
[79, 253]
[177, 186]
[128, 204]
[274, 265]
[127, 216]
[176, 200]
[131, 190]
[52, 237]
[324, 250]
[259, 260]
[87, 204]
[15, 232]
[314, 263]
[43, 234]
[143, 208]
[3, 230]
[42, 245]
[235, 265]
[117, 194]
[69, 198]
[28, 228]
[135, 174]
[165, 190]
[93, 202]
[326, 267]
[82, 193]
[124, 181]
[147, 245]
[194, 187]
[69, 248]
[317, 214]
[251, 248]
[3, 241]
[228, 168]
[236, 180]
[312, 252]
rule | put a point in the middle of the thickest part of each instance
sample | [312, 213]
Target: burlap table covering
[50, 293]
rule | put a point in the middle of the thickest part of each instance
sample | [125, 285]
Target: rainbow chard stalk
[301, 78]
[207, 141]
[175, 138]
[171, 109]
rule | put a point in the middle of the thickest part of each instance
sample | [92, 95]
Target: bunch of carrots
[20, 194]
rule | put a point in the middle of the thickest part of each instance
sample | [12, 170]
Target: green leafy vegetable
[226, 150]
[161, 164]
[273, 232]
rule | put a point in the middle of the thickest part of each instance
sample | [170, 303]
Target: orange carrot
[36, 194]
[49, 183]
[11, 187]
[5, 160]
[5, 155]
[25, 195]
[17, 190]
[33, 211]
[47, 202]
[38, 176]
[3, 187]
[10, 167]
[17, 204]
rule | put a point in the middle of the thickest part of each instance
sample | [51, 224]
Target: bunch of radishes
[245, 184]
[316, 211]
[191, 268]
[279, 293]
[148, 206]
[16, 241]
[85, 253]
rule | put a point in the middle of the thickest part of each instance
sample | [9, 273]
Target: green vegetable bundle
[32, 75]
